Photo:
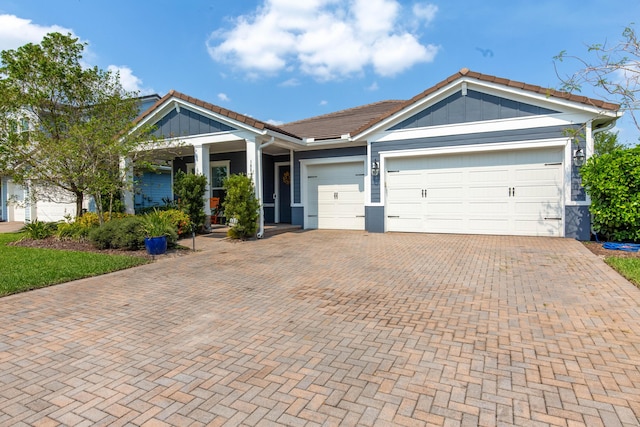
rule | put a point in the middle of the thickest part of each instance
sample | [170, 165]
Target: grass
[22, 269]
[628, 267]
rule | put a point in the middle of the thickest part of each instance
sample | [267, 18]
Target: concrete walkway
[331, 328]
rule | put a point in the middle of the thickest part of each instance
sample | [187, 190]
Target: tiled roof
[465, 72]
[334, 125]
[356, 120]
[257, 124]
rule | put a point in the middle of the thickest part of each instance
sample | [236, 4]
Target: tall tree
[613, 68]
[606, 142]
[64, 126]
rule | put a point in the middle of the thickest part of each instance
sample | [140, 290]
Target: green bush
[241, 207]
[122, 233]
[190, 190]
[179, 220]
[158, 223]
[38, 230]
[612, 180]
[74, 230]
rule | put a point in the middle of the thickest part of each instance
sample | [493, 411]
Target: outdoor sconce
[578, 157]
[375, 168]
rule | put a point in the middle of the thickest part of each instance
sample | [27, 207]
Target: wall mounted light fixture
[578, 157]
[375, 168]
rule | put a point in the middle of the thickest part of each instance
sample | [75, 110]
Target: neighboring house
[16, 203]
[473, 154]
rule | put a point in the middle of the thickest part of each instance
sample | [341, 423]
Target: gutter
[260, 234]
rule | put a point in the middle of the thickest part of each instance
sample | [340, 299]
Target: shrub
[38, 230]
[241, 206]
[190, 189]
[156, 224]
[612, 181]
[121, 233]
[73, 231]
[179, 220]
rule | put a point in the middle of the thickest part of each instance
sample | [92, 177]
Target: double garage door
[335, 196]
[515, 192]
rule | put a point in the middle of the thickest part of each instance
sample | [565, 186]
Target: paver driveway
[332, 328]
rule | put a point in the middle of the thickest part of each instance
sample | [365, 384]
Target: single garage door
[335, 197]
[514, 192]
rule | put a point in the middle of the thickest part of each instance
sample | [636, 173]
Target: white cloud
[373, 87]
[275, 122]
[223, 97]
[326, 39]
[323, 102]
[15, 32]
[128, 80]
[290, 83]
[425, 11]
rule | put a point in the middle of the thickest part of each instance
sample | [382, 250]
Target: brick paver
[332, 328]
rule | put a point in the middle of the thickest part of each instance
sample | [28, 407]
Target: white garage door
[515, 192]
[335, 198]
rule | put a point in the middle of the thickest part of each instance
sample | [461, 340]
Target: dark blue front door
[284, 193]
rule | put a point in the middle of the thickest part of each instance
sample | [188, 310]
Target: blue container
[156, 245]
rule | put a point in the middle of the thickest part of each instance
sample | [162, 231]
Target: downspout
[260, 234]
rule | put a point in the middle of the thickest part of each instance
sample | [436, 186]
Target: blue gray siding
[577, 222]
[152, 189]
[297, 216]
[319, 154]
[187, 123]
[474, 107]
[459, 140]
[374, 219]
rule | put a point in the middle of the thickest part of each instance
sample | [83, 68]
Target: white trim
[215, 164]
[304, 176]
[276, 188]
[513, 93]
[501, 125]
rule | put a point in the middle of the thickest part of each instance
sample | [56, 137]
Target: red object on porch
[214, 204]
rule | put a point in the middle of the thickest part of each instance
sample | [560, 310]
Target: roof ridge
[342, 111]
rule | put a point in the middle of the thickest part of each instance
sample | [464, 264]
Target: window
[219, 172]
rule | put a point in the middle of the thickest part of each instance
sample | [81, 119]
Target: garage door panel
[434, 194]
[489, 176]
[488, 225]
[335, 196]
[497, 193]
[443, 224]
[436, 179]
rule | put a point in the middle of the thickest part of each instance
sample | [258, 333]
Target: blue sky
[285, 60]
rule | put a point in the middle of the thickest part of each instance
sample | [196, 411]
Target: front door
[284, 194]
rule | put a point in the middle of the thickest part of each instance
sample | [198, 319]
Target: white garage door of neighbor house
[514, 193]
[335, 196]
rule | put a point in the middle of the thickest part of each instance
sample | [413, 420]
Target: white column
[252, 156]
[202, 167]
[126, 171]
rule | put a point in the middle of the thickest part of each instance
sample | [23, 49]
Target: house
[473, 154]
[18, 202]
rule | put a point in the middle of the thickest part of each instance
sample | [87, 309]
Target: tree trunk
[79, 201]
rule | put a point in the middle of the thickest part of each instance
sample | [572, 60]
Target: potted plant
[156, 227]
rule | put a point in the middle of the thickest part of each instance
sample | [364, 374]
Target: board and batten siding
[187, 123]
[473, 107]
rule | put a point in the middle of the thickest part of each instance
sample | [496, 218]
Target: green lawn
[628, 267]
[22, 268]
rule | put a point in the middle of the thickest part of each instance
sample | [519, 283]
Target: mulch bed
[72, 245]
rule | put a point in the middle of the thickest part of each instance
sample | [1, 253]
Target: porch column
[126, 171]
[252, 158]
[202, 167]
